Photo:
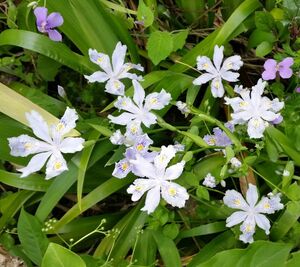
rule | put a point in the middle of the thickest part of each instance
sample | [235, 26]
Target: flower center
[27, 146]
[60, 126]
[140, 147]
[57, 165]
[172, 191]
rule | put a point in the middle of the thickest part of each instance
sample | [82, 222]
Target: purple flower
[45, 24]
[283, 67]
[297, 90]
[219, 138]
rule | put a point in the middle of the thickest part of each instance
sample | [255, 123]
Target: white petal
[125, 103]
[98, 76]
[115, 87]
[38, 125]
[204, 63]
[166, 154]
[252, 195]
[123, 119]
[276, 105]
[268, 115]
[118, 57]
[143, 167]
[25, 145]
[122, 168]
[117, 138]
[256, 128]
[174, 194]
[174, 171]
[262, 222]
[152, 200]
[232, 63]
[203, 78]
[139, 93]
[217, 89]
[35, 164]
[157, 101]
[218, 56]
[138, 188]
[235, 200]
[248, 230]
[71, 145]
[67, 122]
[55, 166]
[236, 218]
[101, 60]
[229, 76]
[147, 118]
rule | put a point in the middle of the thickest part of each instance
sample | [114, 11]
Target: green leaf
[59, 256]
[263, 49]
[294, 261]
[167, 250]
[202, 192]
[286, 221]
[171, 230]
[179, 39]
[264, 21]
[258, 254]
[43, 45]
[33, 240]
[201, 230]
[47, 67]
[159, 46]
[145, 14]
[259, 36]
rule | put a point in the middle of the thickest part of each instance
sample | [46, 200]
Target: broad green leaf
[179, 39]
[33, 240]
[159, 46]
[263, 48]
[99, 193]
[47, 68]
[286, 221]
[259, 36]
[59, 256]
[258, 254]
[294, 261]
[33, 182]
[222, 242]
[167, 250]
[14, 206]
[205, 229]
[145, 14]
[43, 45]
[83, 165]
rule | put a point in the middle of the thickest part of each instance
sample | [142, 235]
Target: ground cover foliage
[150, 133]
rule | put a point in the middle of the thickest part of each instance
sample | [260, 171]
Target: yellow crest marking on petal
[124, 166]
[237, 202]
[172, 191]
[57, 165]
[27, 145]
[140, 147]
[60, 126]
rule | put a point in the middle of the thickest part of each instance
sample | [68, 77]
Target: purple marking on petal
[54, 35]
[54, 20]
[278, 120]
[41, 16]
[270, 70]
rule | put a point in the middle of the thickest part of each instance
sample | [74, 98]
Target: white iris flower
[217, 72]
[113, 71]
[50, 145]
[138, 110]
[251, 211]
[158, 180]
[254, 109]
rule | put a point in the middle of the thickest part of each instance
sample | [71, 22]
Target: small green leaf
[159, 46]
[179, 39]
[145, 14]
[59, 256]
[171, 230]
[264, 21]
[263, 49]
[202, 192]
[33, 240]
[259, 36]
[47, 67]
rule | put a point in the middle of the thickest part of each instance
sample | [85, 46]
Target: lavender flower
[283, 68]
[297, 90]
[219, 138]
[45, 24]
